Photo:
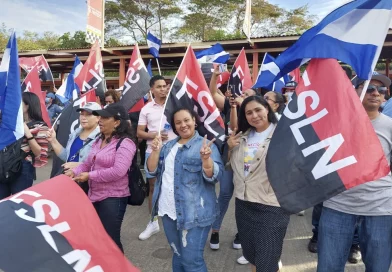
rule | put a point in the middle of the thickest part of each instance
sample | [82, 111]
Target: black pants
[111, 212]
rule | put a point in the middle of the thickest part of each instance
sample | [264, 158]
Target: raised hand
[234, 139]
[51, 135]
[156, 144]
[205, 151]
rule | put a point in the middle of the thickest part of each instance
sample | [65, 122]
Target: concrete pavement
[154, 254]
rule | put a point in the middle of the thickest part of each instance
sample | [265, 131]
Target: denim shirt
[53, 110]
[85, 150]
[194, 193]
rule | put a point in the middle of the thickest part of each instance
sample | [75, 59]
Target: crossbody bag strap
[80, 149]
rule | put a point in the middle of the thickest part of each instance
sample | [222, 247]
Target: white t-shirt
[255, 139]
[166, 203]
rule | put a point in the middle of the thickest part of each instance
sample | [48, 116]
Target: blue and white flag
[154, 44]
[11, 111]
[69, 89]
[213, 54]
[274, 86]
[149, 70]
[353, 33]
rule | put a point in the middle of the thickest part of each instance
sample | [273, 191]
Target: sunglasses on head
[380, 89]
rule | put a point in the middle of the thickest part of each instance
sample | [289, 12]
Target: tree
[76, 41]
[49, 40]
[137, 17]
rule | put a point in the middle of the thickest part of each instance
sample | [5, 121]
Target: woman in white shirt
[277, 102]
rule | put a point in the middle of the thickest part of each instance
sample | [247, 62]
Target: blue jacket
[53, 111]
[194, 193]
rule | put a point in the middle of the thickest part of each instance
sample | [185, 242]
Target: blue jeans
[225, 194]
[316, 214]
[336, 232]
[111, 212]
[145, 166]
[187, 246]
[24, 181]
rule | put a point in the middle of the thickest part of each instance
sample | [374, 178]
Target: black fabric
[11, 158]
[137, 185]
[261, 230]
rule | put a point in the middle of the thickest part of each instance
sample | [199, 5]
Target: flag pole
[273, 86]
[159, 68]
[171, 87]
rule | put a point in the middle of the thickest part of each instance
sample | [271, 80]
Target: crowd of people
[183, 168]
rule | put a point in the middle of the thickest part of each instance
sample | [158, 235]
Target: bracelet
[29, 139]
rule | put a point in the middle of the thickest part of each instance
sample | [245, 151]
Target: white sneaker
[151, 229]
[280, 265]
[242, 260]
[301, 213]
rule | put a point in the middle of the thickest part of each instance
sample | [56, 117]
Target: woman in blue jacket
[184, 196]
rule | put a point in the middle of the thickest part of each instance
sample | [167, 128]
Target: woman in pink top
[106, 169]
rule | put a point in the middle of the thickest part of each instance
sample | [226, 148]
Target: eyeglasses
[267, 98]
[380, 89]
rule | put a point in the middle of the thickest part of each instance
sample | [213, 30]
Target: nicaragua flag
[347, 34]
[275, 86]
[11, 121]
[213, 54]
[149, 69]
[70, 90]
[154, 44]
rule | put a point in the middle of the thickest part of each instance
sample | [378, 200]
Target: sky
[62, 16]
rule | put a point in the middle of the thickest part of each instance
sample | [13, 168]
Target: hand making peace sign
[234, 139]
[205, 151]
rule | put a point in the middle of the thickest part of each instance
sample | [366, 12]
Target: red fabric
[245, 77]
[346, 116]
[85, 229]
[33, 84]
[296, 75]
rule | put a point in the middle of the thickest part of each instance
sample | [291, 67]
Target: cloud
[41, 16]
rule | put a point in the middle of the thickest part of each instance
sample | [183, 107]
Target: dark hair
[101, 98]
[281, 100]
[34, 110]
[191, 112]
[154, 79]
[114, 94]
[123, 130]
[243, 124]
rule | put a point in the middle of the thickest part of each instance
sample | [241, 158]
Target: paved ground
[154, 255]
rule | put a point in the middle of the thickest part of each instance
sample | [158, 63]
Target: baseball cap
[90, 107]
[291, 85]
[379, 77]
[51, 95]
[113, 110]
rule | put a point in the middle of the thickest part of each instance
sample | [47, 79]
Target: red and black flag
[190, 89]
[92, 76]
[208, 68]
[32, 84]
[68, 122]
[45, 74]
[43, 229]
[136, 84]
[240, 78]
[324, 142]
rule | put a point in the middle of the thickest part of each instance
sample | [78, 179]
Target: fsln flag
[45, 74]
[189, 89]
[215, 53]
[68, 122]
[246, 27]
[64, 236]
[275, 86]
[316, 147]
[240, 78]
[32, 84]
[137, 80]
[11, 111]
[69, 90]
[149, 69]
[91, 75]
[295, 75]
[154, 44]
[347, 34]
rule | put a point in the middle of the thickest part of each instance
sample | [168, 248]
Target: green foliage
[77, 40]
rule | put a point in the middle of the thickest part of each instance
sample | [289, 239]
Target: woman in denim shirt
[184, 196]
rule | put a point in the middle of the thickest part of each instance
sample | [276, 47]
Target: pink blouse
[108, 169]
